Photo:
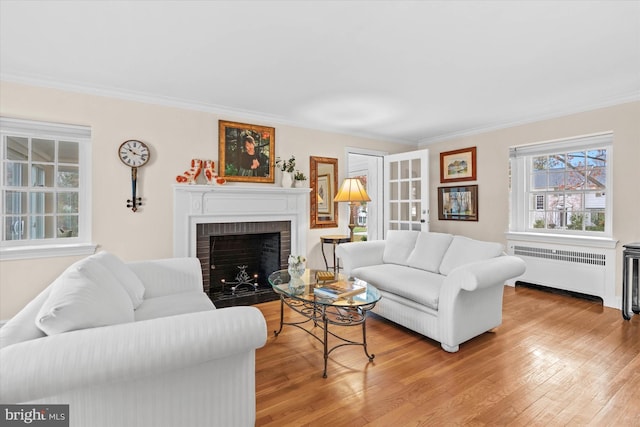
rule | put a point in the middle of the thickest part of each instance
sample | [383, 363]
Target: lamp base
[351, 227]
[352, 219]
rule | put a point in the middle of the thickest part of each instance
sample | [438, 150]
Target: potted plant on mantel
[299, 179]
[287, 167]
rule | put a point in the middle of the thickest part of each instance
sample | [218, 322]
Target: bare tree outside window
[573, 187]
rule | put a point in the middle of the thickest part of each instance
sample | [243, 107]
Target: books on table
[338, 290]
[323, 276]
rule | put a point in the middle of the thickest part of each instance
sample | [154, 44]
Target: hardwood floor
[556, 360]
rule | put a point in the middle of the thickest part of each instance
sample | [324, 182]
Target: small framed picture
[458, 203]
[458, 165]
[324, 195]
[246, 152]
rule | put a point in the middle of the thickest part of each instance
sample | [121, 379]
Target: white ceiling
[406, 71]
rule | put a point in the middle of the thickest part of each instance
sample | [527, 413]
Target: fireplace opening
[237, 259]
[240, 264]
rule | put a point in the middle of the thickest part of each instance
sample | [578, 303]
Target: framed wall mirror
[324, 184]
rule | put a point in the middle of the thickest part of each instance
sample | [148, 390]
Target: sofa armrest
[471, 299]
[483, 274]
[168, 276]
[360, 254]
[48, 366]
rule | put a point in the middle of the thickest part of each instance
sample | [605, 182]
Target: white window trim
[46, 251]
[519, 191]
[10, 250]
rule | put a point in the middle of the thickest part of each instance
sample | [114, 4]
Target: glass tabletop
[305, 290]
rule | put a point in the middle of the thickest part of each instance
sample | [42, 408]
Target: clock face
[134, 153]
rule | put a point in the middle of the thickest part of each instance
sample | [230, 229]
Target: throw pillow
[85, 295]
[429, 251]
[21, 326]
[464, 251]
[127, 278]
[398, 246]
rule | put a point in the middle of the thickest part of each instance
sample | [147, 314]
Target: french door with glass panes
[407, 191]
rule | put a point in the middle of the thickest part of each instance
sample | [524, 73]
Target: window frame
[53, 246]
[521, 193]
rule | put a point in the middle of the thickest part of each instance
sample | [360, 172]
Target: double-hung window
[561, 187]
[45, 189]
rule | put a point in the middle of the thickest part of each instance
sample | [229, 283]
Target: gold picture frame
[246, 153]
[323, 181]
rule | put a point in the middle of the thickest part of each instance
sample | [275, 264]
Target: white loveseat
[448, 288]
[136, 344]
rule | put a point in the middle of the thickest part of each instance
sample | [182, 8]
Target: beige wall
[175, 136]
[492, 171]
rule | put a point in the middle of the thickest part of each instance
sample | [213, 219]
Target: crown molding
[219, 110]
[609, 102]
[261, 117]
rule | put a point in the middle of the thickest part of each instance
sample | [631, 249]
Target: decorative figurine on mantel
[210, 173]
[190, 176]
[197, 165]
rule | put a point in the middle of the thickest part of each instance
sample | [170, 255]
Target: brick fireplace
[223, 247]
[202, 212]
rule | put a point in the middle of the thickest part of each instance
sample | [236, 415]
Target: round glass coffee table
[321, 312]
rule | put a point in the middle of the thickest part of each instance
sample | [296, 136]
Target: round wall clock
[134, 154]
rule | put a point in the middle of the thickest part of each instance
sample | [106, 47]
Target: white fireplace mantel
[208, 204]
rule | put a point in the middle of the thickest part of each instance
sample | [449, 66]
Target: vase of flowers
[287, 167]
[296, 270]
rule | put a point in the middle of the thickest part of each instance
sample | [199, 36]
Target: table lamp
[352, 191]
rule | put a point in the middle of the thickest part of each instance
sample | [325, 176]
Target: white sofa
[136, 344]
[448, 288]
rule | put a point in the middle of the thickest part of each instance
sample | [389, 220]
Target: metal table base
[320, 315]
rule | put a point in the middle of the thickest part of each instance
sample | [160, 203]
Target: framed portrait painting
[246, 153]
[458, 165]
[458, 203]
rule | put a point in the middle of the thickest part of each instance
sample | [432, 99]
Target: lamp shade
[352, 190]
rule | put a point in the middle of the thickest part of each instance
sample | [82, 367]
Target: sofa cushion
[171, 305]
[429, 251]
[22, 327]
[464, 250]
[125, 276]
[422, 287]
[85, 295]
[399, 245]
